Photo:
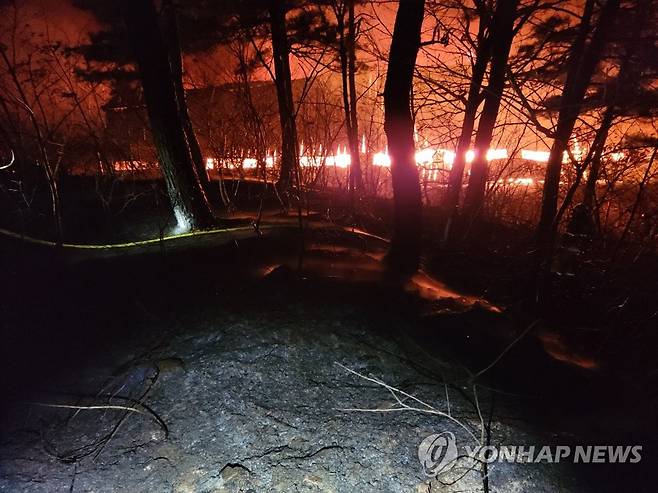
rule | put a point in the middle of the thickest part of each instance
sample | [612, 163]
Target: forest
[332, 245]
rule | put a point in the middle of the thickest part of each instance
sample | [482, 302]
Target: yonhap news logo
[438, 453]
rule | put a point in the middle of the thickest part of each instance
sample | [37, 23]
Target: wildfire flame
[426, 157]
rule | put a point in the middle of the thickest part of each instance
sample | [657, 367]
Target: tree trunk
[583, 62]
[473, 100]
[501, 40]
[187, 198]
[347, 54]
[283, 83]
[598, 145]
[172, 38]
[610, 113]
[356, 177]
[404, 253]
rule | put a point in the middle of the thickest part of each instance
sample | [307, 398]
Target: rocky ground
[247, 388]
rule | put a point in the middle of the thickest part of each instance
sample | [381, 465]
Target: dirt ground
[239, 365]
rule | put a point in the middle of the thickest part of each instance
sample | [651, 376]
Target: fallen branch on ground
[402, 406]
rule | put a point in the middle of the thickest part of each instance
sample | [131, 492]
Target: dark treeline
[572, 82]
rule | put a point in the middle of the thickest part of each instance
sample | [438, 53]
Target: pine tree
[153, 57]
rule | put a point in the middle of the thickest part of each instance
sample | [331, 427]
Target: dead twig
[132, 409]
[424, 406]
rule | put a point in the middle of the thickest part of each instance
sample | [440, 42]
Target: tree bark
[283, 83]
[583, 62]
[172, 37]
[598, 145]
[347, 56]
[473, 101]
[404, 253]
[501, 41]
[188, 201]
[356, 177]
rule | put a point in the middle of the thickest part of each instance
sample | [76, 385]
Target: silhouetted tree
[283, 81]
[583, 59]
[172, 39]
[44, 159]
[473, 101]
[285, 23]
[346, 27]
[502, 33]
[112, 45]
[628, 93]
[188, 200]
[404, 253]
